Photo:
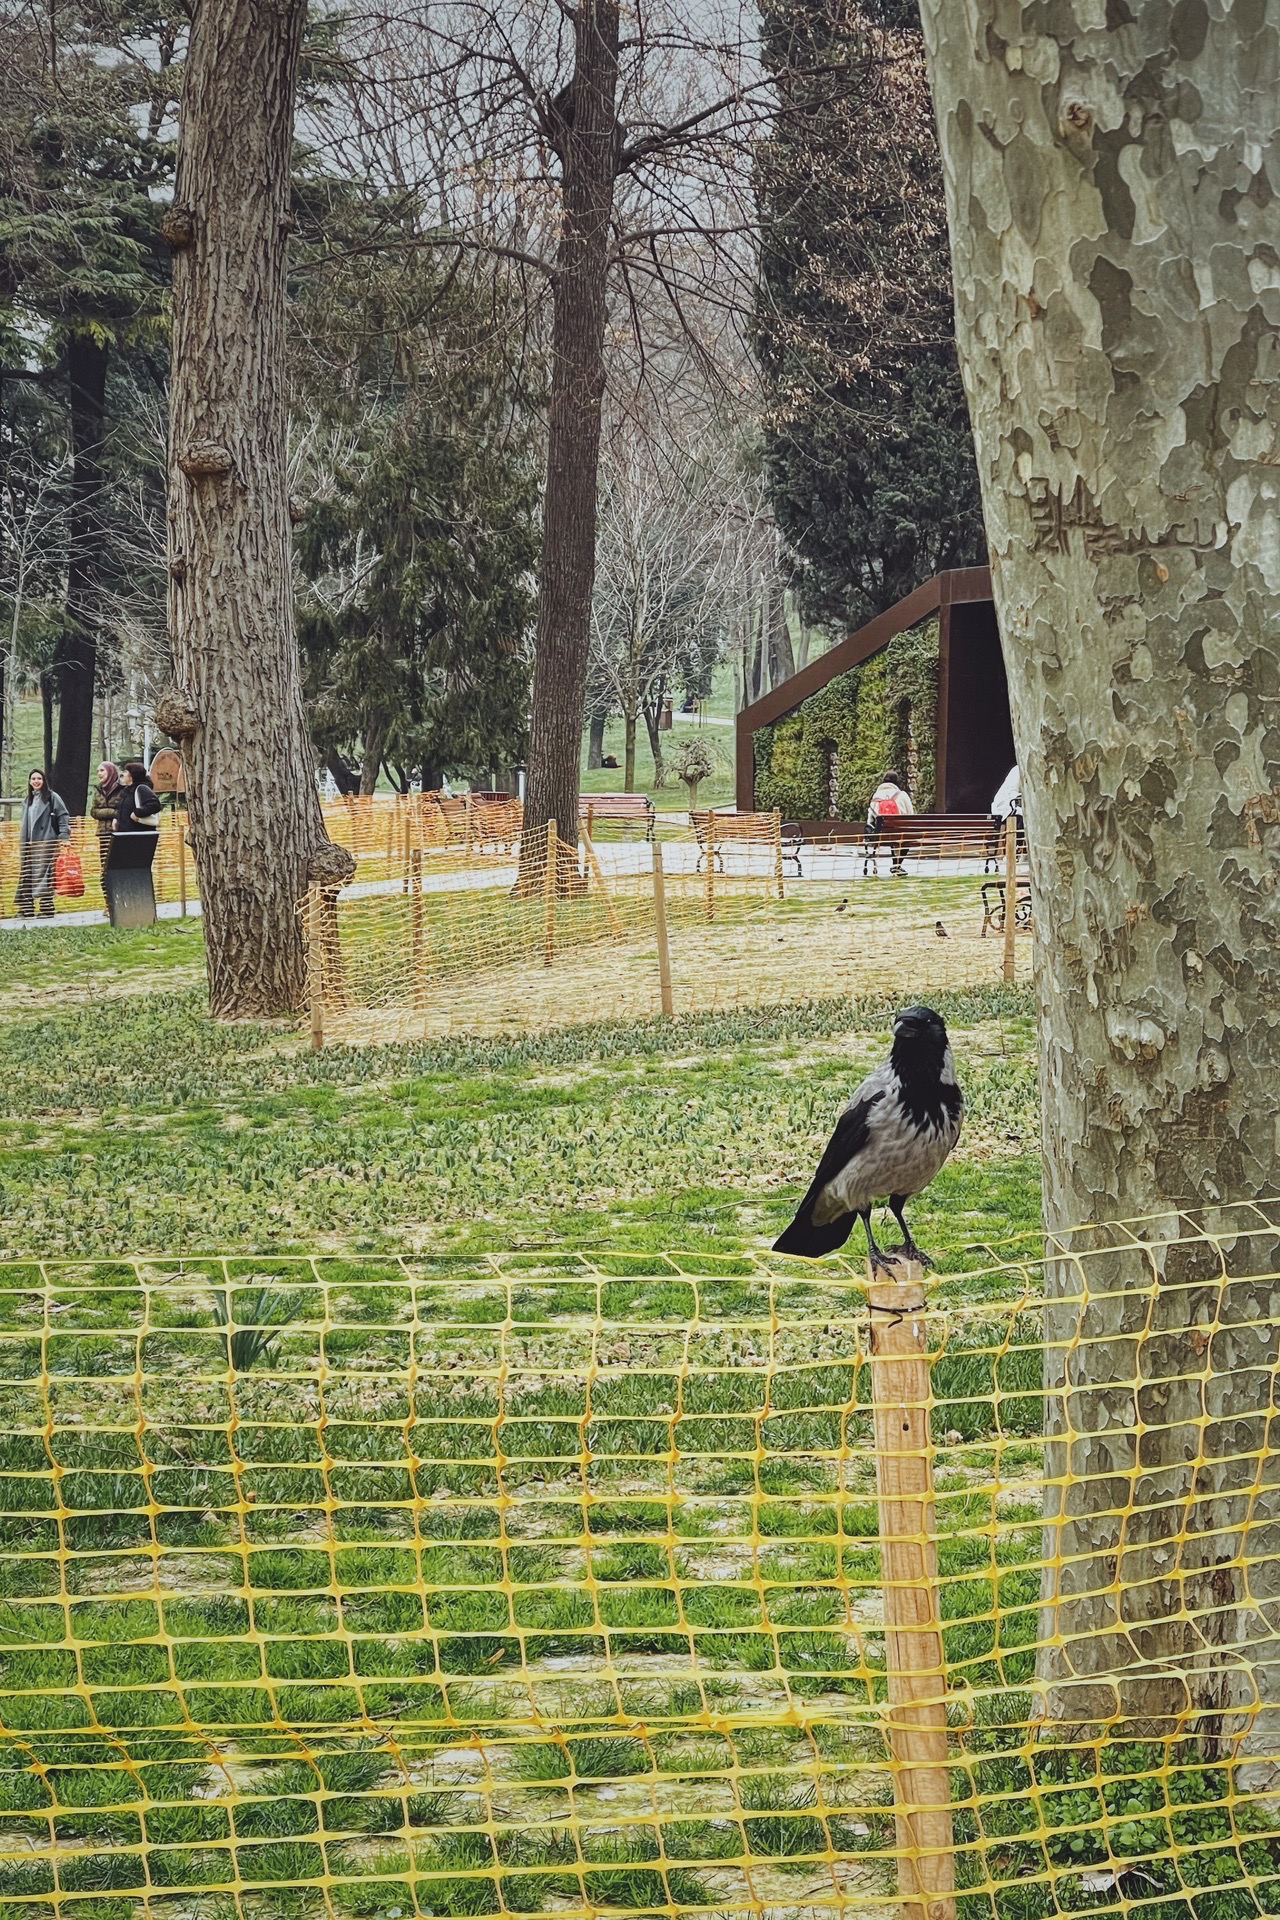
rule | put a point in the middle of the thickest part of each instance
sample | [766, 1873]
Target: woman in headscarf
[137, 803]
[106, 798]
[45, 822]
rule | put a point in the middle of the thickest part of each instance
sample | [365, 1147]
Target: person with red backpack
[888, 803]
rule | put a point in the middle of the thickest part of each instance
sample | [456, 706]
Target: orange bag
[68, 875]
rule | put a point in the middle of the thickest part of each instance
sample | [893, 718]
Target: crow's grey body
[902, 1155]
[889, 1142]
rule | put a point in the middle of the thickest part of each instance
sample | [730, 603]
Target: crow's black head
[920, 1020]
[919, 1041]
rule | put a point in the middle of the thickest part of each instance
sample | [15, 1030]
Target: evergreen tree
[419, 543]
[868, 453]
[84, 165]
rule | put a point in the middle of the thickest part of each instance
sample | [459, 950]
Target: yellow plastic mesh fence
[173, 873]
[644, 1584]
[716, 912]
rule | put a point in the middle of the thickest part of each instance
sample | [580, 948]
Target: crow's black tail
[810, 1242]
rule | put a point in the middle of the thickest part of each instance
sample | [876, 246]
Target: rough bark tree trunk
[344, 777]
[652, 710]
[629, 720]
[77, 660]
[595, 741]
[802, 650]
[782, 660]
[1113, 234]
[758, 655]
[375, 736]
[46, 717]
[256, 826]
[589, 149]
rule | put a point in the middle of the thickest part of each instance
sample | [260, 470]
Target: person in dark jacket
[45, 823]
[138, 805]
[106, 798]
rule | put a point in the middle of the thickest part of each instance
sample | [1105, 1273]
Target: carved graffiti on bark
[1055, 515]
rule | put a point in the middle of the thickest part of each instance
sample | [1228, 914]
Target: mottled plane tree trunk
[1111, 177]
[236, 704]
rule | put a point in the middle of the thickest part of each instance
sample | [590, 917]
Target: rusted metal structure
[975, 735]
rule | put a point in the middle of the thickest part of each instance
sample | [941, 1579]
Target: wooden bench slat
[617, 808]
[719, 831]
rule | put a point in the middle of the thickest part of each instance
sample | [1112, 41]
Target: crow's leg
[880, 1263]
[897, 1201]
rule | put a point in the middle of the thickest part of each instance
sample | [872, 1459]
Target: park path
[831, 865]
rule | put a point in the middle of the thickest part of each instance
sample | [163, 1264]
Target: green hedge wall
[881, 714]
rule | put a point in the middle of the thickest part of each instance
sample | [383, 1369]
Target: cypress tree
[867, 446]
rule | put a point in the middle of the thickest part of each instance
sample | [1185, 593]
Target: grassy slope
[127, 1121]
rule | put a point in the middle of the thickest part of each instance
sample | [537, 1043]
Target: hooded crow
[889, 1142]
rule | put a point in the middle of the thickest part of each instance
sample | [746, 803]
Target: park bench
[993, 907]
[720, 831]
[449, 814]
[616, 809]
[935, 836]
[496, 821]
[475, 821]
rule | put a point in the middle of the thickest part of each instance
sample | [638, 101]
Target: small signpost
[168, 774]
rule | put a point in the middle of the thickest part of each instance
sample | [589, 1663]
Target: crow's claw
[891, 1260]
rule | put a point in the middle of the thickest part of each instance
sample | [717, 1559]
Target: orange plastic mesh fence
[381, 830]
[739, 914]
[643, 1584]
[173, 872]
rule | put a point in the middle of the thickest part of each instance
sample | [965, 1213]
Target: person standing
[45, 823]
[106, 798]
[137, 803]
[127, 881]
[888, 803]
[1008, 797]
[1006, 804]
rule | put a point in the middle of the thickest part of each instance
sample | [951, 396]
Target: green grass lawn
[129, 1122]
[418, 1558]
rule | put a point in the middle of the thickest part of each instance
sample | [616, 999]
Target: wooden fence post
[610, 904]
[415, 931]
[660, 928]
[315, 965]
[917, 1726]
[1010, 895]
[549, 895]
[711, 863]
[182, 863]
